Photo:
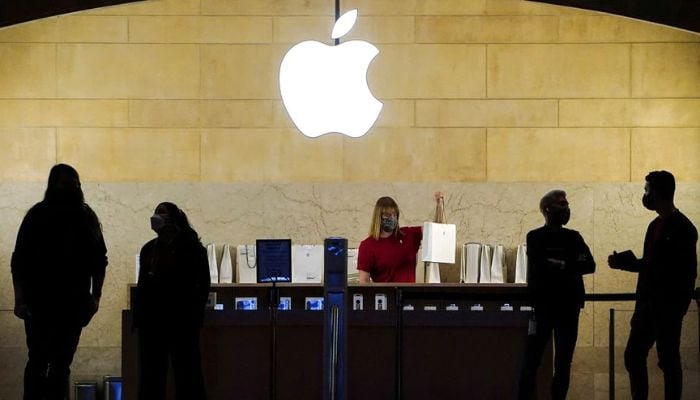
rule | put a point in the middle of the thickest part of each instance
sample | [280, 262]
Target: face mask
[558, 216]
[648, 202]
[157, 222]
[389, 224]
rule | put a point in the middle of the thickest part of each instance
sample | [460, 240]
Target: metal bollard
[112, 388]
[85, 390]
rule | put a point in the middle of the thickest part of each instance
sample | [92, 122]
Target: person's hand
[438, 196]
[21, 310]
[94, 305]
[624, 260]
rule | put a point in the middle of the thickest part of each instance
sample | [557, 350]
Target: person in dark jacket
[557, 260]
[171, 294]
[58, 268]
[665, 284]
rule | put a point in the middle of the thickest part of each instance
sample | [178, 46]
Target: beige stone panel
[416, 155]
[136, 155]
[87, 29]
[481, 29]
[52, 113]
[27, 70]
[241, 71]
[428, 71]
[597, 28]
[486, 113]
[237, 113]
[416, 7]
[164, 113]
[151, 7]
[521, 7]
[395, 113]
[450, 7]
[666, 70]
[381, 7]
[41, 30]
[268, 7]
[270, 155]
[26, 153]
[630, 112]
[128, 71]
[676, 150]
[564, 70]
[69, 28]
[558, 155]
[383, 30]
[206, 29]
[294, 29]
[375, 29]
[280, 117]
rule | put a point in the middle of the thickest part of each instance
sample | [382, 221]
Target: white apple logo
[324, 88]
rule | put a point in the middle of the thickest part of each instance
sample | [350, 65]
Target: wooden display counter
[441, 349]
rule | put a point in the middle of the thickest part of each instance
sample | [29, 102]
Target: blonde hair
[383, 204]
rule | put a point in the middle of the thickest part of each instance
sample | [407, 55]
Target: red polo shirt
[391, 259]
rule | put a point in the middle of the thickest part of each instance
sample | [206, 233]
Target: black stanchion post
[335, 285]
[611, 355]
[399, 340]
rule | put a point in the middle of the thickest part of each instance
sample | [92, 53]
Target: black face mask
[70, 196]
[648, 201]
[389, 224]
[558, 216]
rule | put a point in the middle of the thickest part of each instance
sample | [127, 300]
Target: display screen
[274, 259]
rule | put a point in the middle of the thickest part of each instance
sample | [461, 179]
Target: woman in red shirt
[389, 253]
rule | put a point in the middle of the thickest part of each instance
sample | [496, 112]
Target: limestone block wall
[492, 101]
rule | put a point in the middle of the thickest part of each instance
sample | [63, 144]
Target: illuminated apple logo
[324, 88]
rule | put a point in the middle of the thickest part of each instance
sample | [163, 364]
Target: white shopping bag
[432, 272]
[138, 267]
[521, 265]
[226, 273]
[246, 265]
[353, 274]
[471, 253]
[497, 272]
[213, 267]
[439, 241]
[307, 263]
[485, 264]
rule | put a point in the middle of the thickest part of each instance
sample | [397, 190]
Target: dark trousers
[661, 325]
[51, 345]
[564, 324]
[178, 345]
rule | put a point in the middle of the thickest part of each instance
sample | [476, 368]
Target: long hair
[180, 220]
[383, 204]
[64, 196]
[55, 188]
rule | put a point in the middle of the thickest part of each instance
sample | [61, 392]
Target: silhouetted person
[667, 272]
[58, 267]
[172, 291]
[557, 260]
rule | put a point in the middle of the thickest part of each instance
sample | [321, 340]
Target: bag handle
[440, 217]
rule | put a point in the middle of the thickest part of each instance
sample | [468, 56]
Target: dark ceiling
[16, 11]
[683, 14]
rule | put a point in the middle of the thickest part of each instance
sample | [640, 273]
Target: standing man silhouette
[557, 260]
[58, 267]
[667, 272]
